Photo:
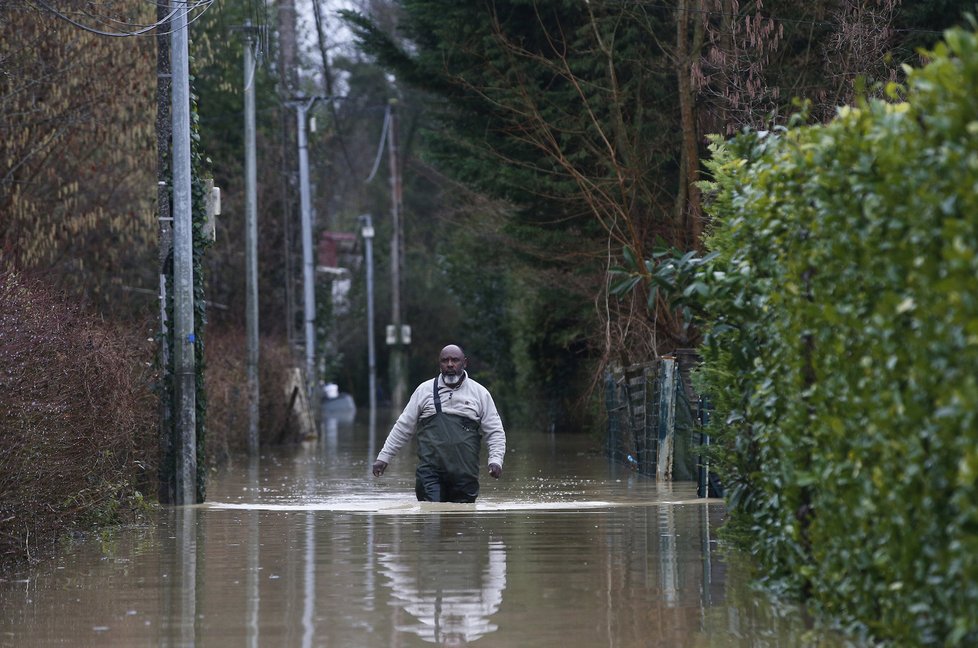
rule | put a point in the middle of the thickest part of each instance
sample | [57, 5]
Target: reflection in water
[451, 585]
[306, 549]
[179, 578]
[308, 476]
[309, 594]
[667, 551]
[253, 562]
[706, 551]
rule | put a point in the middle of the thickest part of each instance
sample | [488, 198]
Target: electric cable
[380, 147]
[189, 8]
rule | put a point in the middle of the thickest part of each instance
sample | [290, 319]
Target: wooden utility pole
[288, 81]
[400, 336]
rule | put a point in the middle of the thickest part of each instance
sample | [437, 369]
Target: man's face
[452, 363]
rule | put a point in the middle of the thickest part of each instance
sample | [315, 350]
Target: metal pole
[308, 270]
[164, 127]
[368, 238]
[399, 391]
[183, 270]
[251, 241]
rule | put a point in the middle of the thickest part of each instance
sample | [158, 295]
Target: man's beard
[451, 380]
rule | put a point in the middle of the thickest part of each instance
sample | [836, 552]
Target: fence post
[611, 407]
[708, 485]
[650, 432]
[635, 394]
[667, 418]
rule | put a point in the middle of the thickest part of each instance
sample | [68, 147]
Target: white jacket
[469, 399]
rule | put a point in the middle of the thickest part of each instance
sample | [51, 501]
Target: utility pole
[288, 82]
[183, 271]
[368, 239]
[398, 333]
[302, 105]
[164, 125]
[251, 239]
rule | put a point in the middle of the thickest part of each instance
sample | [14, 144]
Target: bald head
[451, 362]
[452, 349]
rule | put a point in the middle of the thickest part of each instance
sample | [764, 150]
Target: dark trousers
[432, 486]
[448, 459]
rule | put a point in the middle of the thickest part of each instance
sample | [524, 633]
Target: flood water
[306, 548]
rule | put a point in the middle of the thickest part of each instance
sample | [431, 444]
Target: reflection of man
[449, 414]
[451, 586]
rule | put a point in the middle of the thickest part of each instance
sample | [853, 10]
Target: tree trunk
[688, 197]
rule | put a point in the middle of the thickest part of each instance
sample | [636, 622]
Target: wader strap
[434, 390]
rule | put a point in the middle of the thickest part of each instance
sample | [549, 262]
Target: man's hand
[379, 468]
[495, 470]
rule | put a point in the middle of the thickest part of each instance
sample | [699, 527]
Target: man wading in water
[450, 414]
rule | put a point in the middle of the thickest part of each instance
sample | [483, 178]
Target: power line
[185, 11]
[380, 147]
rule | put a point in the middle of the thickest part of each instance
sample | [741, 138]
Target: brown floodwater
[305, 548]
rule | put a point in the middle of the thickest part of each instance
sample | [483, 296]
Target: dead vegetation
[79, 415]
[77, 419]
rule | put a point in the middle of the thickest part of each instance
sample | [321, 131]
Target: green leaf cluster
[676, 275]
[841, 350]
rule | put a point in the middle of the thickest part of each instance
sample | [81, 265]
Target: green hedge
[842, 352]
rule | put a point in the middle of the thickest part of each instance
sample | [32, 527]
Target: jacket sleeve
[404, 428]
[492, 430]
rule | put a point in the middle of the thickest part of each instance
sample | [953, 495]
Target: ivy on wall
[201, 243]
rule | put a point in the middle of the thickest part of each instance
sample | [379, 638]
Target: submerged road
[305, 548]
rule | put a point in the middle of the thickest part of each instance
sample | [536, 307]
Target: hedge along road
[307, 549]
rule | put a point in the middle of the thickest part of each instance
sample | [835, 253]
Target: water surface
[306, 548]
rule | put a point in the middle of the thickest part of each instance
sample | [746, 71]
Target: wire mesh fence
[655, 421]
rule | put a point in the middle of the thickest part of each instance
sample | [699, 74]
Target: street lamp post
[302, 106]
[251, 239]
[367, 230]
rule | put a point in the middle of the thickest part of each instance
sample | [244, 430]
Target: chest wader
[448, 457]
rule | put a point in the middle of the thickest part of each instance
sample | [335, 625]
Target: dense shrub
[843, 349]
[79, 427]
[77, 419]
[226, 381]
